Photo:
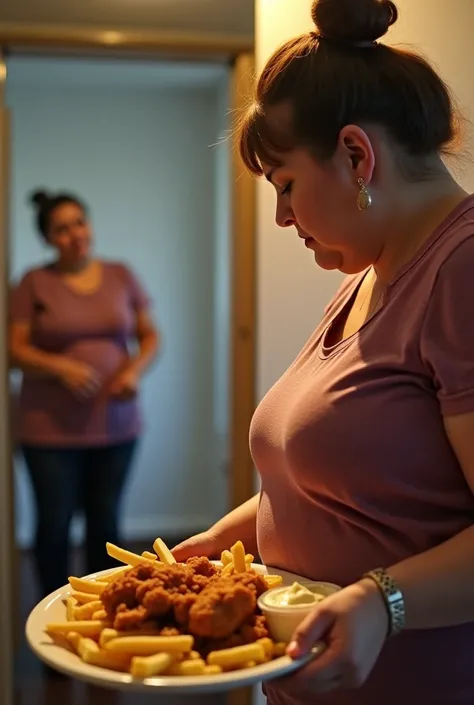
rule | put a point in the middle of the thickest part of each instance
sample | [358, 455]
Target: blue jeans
[68, 480]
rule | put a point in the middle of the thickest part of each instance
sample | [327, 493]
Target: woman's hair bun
[40, 199]
[353, 20]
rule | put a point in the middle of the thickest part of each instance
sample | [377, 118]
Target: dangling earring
[364, 199]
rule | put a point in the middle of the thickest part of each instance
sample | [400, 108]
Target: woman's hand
[353, 623]
[125, 385]
[81, 379]
[208, 543]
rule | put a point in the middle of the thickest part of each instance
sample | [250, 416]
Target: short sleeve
[21, 300]
[447, 338]
[138, 296]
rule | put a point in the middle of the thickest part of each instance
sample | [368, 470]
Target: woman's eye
[287, 188]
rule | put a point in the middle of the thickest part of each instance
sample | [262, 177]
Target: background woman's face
[70, 232]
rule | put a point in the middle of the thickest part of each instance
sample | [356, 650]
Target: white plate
[52, 609]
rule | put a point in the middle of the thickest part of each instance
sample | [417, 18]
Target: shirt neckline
[326, 351]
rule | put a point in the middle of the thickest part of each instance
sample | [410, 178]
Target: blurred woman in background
[71, 323]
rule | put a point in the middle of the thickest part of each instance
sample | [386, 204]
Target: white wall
[140, 155]
[292, 292]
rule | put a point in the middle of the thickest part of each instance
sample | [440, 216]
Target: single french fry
[82, 598]
[268, 646]
[151, 645]
[132, 559]
[71, 604]
[90, 653]
[86, 628]
[212, 670]
[249, 558]
[86, 611]
[149, 666]
[279, 649]
[73, 638]
[238, 555]
[107, 659]
[187, 668]
[110, 634]
[226, 557]
[249, 664]
[87, 648]
[228, 569]
[94, 587]
[163, 552]
[194, 667]
[106, 636]
[236, 656]
[273, 581]
[119, 573]
[150, 556]
[100, 614]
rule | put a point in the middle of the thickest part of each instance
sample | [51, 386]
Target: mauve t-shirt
[94, 328]
[356, 469]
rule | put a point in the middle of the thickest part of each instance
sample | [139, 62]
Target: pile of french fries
[146, 655]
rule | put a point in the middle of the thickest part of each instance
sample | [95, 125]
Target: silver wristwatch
[393, 599]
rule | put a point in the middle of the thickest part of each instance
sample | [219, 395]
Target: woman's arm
[28, 358]
[148, 343]
[438, 585]
[81, 379]
[240, 524]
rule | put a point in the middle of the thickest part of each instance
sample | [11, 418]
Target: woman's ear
[356, 146]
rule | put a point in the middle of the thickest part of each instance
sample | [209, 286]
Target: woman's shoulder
[35, 274]
[116, 267]
[449, 249]
[455, 232]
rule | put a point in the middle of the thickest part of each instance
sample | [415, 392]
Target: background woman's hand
[81, 379]
[353, 623]
[125, 385]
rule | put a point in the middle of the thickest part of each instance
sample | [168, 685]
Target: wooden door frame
[239, 53]
[8, 582]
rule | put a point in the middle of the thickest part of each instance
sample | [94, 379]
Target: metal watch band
[393, 598]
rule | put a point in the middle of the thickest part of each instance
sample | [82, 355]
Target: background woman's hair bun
[353, 20]
[40, 199]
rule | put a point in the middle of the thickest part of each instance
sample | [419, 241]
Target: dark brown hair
[339, 75]
[45, 203]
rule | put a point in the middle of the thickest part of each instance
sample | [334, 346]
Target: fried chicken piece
[182, 605]
[202, 566]
[120, 592]
[170, 631]
[155, 598]
[254, 628]
[252, 580]
[150, 592]
[129, 619]
[194, 597]
[221, 608]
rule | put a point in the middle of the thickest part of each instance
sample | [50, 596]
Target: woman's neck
[416, 212]
[78, 267]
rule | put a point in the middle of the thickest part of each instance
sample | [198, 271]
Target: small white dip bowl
[283, 619]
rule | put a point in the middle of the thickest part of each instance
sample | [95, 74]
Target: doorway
[239, 364]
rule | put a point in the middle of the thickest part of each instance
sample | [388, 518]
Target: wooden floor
[34, 686]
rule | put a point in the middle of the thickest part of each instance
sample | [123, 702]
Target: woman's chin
[329, 260]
